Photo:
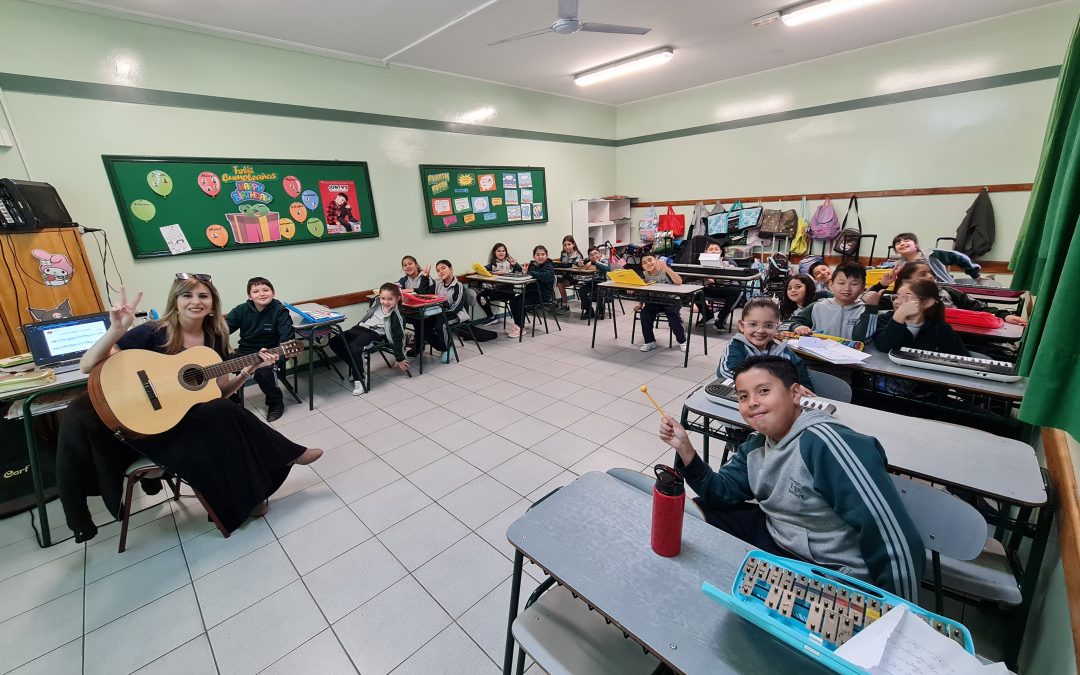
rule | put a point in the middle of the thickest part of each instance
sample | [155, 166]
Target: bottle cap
[668, 480]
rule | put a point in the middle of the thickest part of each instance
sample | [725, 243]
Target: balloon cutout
[286, 227]
[159, 182]
[310, 199]
[259, 209]
[298, 212]
[143, 210]
[291, 185]
[315, 227]
[217, 235]
[209, 183]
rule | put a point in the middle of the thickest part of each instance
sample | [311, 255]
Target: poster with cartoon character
[55, 268]
[339, 206]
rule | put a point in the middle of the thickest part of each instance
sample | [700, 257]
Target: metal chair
[830, 386]
[455, 326]
[382, 349]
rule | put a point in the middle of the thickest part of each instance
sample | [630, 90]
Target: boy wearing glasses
[263, 322]
[757, 336]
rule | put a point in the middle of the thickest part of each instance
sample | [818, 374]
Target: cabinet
[596, 221]
[42, 269]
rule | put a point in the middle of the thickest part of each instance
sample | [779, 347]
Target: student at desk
[499, 262]
[415, 279]
[822, 490]
[588, 288]
[906, 245]
[757, 336]
[725, 295]
[917, 320]
[949, 296]
[843, 315]
[263, 322]
[541, 269]
[656, 271]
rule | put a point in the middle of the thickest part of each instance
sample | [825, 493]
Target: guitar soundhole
[192, 377]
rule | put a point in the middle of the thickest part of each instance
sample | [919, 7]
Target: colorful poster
[209, 183]
[511, 197]
[490, 216]
[342, 213]
[175, 239]
[217, 235]
[526, 212]
[496, 201]
[525, 179]
[509, 180]
[441, 207]
[440, 187]
[538, 211]
[526, 196]
[434, 178]
[466, 179]
[487, 182]
[468, 218]
[513, 213]
[480, 205]
[291, 185]
[449, 220]
[461, 204]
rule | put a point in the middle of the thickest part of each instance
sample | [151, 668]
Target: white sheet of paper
[175, 239]
[831, 350]
[901, 643]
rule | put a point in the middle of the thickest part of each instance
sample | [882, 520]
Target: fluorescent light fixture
[477, 115]
[624, 66]
[820, 9]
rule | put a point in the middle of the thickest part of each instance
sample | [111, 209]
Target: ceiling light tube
[625, 66]
[820, 9]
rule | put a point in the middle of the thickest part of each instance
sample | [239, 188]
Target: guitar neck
[233, 365]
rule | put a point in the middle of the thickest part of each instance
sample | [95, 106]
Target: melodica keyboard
[722, 392]
[1001, 371]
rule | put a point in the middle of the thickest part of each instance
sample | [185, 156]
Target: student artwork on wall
[470, 197]
[185, 205]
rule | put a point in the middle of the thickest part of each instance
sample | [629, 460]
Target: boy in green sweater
[263, 322]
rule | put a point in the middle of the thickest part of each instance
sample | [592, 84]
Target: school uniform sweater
[827, 497]
[854, 321]
[454, 305]
[939, 259]
[739, 349]
[934, 336]
[391, 325]
[420, 283]
[545, 279]
[951, 297]
[260, 329]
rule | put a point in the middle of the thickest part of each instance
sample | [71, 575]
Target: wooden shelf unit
[594, 222]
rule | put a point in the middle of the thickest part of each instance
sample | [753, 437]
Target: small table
[70, 381]
[309, 331]
[593, 537]
[1007, 333]
[682, 295]
[515, 283]
[990, 292]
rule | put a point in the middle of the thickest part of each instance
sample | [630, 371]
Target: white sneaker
[513, 331]
[358, 388]
[682, 346]
[648, 346]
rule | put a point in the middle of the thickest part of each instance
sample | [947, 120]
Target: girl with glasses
[757, 335]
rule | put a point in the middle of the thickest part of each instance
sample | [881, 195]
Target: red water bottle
[669, 496]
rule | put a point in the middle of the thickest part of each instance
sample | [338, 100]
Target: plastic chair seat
[988, 576]
[139, 464]
[565, 637]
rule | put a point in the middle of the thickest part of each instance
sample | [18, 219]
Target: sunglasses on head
[184, 276]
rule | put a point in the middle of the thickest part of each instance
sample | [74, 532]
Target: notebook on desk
[626, 277]
[481, 270]
[311, 312]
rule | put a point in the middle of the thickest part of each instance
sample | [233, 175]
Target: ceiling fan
[567, 23]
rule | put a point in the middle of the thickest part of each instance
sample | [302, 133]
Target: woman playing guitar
[222, 450]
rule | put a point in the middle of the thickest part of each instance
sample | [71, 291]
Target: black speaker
[27, 205]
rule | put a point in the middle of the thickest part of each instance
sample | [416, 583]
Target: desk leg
[596, 322]
[311, 375]
[515, 597]
[689, 332]
[45, 539]
[521, 331]
[420, 341]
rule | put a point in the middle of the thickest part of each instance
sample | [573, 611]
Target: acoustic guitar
[142, 393]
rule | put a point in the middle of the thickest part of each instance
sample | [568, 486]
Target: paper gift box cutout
[254, 229]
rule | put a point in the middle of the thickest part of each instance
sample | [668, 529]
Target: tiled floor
[389, 554]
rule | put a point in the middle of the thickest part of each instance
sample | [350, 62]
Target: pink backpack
[824, 224]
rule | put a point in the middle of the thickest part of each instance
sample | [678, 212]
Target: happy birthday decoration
[160, 182]
[209, 183]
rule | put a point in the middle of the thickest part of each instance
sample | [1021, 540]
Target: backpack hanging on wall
[847, 242]
[800, 243]
[824, 225]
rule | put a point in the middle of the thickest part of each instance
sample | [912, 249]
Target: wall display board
[181, 205]
[471, 197]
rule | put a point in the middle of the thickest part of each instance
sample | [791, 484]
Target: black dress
[222, 450]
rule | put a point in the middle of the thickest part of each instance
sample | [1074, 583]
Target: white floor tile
[233, 588]
[209, 551]
[597, 428]
[39, 631]
[529, 401]
[42, 584]
[443, 476]
[525, 472]
[386, 395]
[368, 423]
[190, 517]
[346, 412]
[300, 508]
[485, 622]
[422, 536]
[450, 653]
[136, 639]
[362, 480]
[479, 500]
[503, 389]
[560, 413]
[391, 627]
[640, 446]
[459, 576]
[305, 425]
[191, 658]
[564, 448]
[321, 655]
[496, 417]
[299, 478]
[341, 458]
[353, 578]
[330, 437]
[123, 592]
[415, 455]
[468, 405]
[603, 459]
[562, 480]
[494, 530]
[528, 431]
[324, 539]
[65, 660]
[393, 503]
[445, 393]
[627, 412]
[459, 434]
[143, 542]
[431, 420]
[266, 631]
[488, 452]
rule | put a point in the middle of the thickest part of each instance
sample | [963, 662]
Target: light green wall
[989, 136]
[64, 138]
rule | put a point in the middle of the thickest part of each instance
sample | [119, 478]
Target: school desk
[420, 313]
[593, 537]
[309, 332]
[516, 284]
[681, 295]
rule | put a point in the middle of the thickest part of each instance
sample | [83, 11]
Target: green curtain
[1046, 261]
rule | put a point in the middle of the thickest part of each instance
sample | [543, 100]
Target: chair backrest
[947, 524]
[645, 484]
[830, 386]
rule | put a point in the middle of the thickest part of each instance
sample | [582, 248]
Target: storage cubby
[596, 221]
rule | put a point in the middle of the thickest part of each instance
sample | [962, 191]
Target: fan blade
[613, 28]
[520, 37]
[567, 9]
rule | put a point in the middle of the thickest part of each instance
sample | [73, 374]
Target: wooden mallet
[645, 390]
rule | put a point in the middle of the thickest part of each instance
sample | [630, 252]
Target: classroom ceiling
[713, 39]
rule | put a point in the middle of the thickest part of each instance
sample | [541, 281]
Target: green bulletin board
[183, 205]
[472, 197]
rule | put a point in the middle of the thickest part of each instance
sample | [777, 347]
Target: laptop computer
[60, 343]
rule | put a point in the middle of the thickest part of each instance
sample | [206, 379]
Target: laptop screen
[64, 339]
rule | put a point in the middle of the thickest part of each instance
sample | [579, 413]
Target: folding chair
[830, 386]
[381, 348]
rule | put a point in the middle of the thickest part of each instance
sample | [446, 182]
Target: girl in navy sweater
[918, 320]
